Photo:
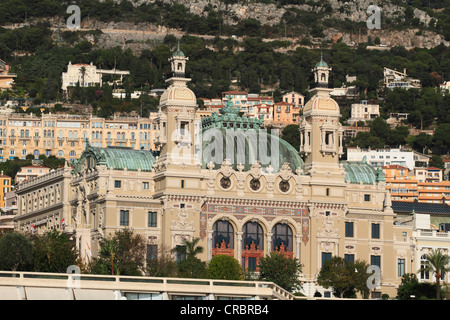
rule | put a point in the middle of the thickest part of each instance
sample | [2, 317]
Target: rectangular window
[152, 222]
[424, 275]
[349, 229]
[367, 197]
[375, 231]
[152, 252]
[145, 185]
[124, 217]
[349, 257]
[326, 256]
[375, 261]
[182, 184]
[117, 184]
[401, 267]
[181, 253]
[251, 264]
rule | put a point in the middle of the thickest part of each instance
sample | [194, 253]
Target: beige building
[363, 112]
[6, 78]
[295, 98]
[239, 199]
[65, 136]
[30, 172]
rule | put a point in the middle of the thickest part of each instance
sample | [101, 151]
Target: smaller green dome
[178, 53]
[321, 63]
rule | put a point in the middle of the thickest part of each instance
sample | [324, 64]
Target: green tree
[121, 254]
[438, 263]
[54, 252]
[191, 266]
[338, 274]
[421, 142]
[291, 134]
[224, 267]
[344, 277]
[281, 270]
[411, 289]
[16, 252]
[441, 139]
[162, 264]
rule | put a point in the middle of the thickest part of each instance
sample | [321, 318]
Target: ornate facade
[243, 191]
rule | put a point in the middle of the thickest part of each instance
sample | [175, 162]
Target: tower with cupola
[176, 116]
[320, 129]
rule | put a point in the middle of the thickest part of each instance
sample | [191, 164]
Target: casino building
[240, 189]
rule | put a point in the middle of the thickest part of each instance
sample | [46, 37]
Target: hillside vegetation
[254, 63]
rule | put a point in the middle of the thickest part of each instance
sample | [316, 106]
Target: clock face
[225, 182]
[284, 186]
[255, 184]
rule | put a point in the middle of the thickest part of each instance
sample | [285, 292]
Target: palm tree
[190, 248]
[83, 74]
[439, 264]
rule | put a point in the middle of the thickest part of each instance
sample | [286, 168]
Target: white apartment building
[363, 112]
[382, 157]
[87, 75]
[396, 79]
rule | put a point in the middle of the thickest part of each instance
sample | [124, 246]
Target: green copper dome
[361, 172]
[322, 63]
[247, 149]
[178, 53]
[248, 141]
[117, 158]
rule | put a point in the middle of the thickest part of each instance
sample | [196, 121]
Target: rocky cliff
[269, 13]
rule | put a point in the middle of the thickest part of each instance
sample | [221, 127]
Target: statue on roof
[229, 108]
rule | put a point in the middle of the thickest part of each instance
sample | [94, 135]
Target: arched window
[223, 232]
[282, 237]
[72, 153]
[253, 235]
[60, 153]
